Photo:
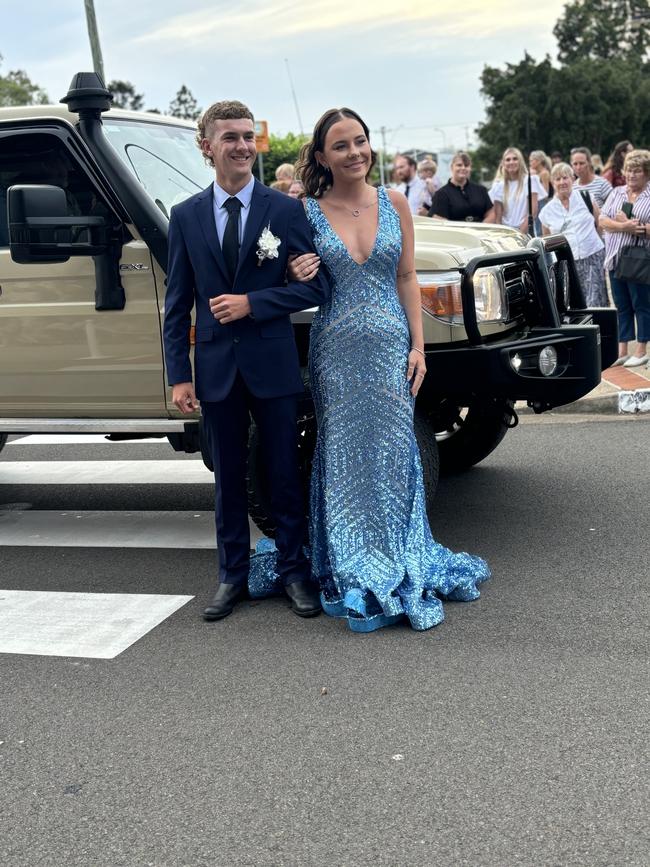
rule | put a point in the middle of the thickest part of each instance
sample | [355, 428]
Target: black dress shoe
[225, 599]
[305, 598]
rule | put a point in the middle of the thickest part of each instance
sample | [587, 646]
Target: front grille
[520, 290]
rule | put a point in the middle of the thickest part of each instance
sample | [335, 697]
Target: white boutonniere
[267, 246]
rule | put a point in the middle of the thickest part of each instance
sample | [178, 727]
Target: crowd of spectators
[602, 210]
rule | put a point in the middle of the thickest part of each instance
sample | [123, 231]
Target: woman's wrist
[417, 349]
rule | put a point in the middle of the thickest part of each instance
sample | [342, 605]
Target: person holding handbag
[625, 220]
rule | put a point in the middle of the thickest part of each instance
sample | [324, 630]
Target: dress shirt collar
[244, 195]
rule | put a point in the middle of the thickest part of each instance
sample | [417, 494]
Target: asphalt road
[516, 733]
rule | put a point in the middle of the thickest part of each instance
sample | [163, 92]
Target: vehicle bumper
[584, 347]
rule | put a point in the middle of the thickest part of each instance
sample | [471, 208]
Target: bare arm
[498, 212]
[409, 293]
[620, 223]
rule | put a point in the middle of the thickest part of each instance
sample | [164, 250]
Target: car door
[59, 356]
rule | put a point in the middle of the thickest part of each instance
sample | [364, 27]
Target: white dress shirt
[418, 194]
[221, 214]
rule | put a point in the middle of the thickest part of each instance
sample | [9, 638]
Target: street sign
[262, 136]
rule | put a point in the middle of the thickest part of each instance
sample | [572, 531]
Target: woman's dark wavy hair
[315, 178]
[617, 156]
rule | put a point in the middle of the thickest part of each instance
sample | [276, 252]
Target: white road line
[129, 529]
[180, 472]
[77, 439]
[91, 625]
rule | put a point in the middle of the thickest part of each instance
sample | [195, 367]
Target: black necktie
[230, 243]
[406, 191]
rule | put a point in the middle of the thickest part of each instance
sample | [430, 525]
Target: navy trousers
[227, 428]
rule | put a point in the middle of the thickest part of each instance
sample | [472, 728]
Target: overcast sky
[412, 67]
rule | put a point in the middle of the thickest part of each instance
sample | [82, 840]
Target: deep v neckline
[340, 240]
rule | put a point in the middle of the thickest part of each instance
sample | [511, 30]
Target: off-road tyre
[471, 433]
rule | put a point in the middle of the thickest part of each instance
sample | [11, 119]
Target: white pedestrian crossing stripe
[180, 472]
[91, 625]
[73, 528]
[78, 439]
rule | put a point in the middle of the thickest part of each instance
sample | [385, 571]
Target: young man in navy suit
[223, 262]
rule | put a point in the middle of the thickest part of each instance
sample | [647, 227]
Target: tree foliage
[16, 88]
[599, 94]
[603, 30]
[184, 105]
[125, 96]
[282, 149]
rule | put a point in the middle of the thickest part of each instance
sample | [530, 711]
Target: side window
[42, 158]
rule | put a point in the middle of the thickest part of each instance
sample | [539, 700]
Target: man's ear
[205, 147]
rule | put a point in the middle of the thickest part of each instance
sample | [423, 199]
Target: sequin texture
[371, 545]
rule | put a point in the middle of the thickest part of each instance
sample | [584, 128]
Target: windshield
[165, 159]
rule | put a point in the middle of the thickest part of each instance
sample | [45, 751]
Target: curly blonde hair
[227, 109]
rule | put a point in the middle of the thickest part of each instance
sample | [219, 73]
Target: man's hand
[184, 397]
[228, 308]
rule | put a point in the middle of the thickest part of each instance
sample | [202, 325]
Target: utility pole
[93, 35]
[295, 98]
[382, 154]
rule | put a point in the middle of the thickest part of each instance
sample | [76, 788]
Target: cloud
[256, 22]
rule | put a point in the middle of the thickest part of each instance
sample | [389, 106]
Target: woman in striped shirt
[625, 219]
[587, 181]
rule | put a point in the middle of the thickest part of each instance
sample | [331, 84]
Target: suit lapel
[205, 217]
[260, 203]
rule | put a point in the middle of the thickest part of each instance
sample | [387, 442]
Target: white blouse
[517, 207]
[576, 224]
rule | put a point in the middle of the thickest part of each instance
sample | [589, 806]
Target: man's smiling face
[231, 144]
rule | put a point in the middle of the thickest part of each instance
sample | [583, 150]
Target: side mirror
[42, 229]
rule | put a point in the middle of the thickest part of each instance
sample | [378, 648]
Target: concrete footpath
[622, 390]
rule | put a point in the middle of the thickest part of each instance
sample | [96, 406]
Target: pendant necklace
[356, 212]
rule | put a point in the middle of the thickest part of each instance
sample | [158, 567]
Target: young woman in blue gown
[371, 546]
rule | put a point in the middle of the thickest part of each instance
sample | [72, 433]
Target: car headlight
[440, 294]
[490, 295]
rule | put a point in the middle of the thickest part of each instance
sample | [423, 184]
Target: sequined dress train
[371, 546]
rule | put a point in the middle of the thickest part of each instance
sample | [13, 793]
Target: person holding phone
[625, 219]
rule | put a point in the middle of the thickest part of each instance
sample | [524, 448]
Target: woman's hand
[303, 267]
[417, 368]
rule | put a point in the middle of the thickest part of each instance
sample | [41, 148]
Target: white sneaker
[636, 361]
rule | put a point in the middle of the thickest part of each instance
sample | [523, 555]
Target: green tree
[592, 103]
[16, 88]
[603, 30]
[282, 149]
[125, 96]
[184, 105]
[517, 99]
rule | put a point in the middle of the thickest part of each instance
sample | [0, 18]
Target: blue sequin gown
[371, 546]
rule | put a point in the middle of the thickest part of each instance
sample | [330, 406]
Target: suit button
[235, 340]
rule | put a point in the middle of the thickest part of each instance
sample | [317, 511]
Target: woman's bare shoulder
[398, 201]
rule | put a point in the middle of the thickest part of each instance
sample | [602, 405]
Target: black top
[468, 204]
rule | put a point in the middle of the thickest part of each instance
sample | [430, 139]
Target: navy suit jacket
[261, 346]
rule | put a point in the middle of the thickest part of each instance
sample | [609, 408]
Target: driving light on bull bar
[490, 295]
[547, 361]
